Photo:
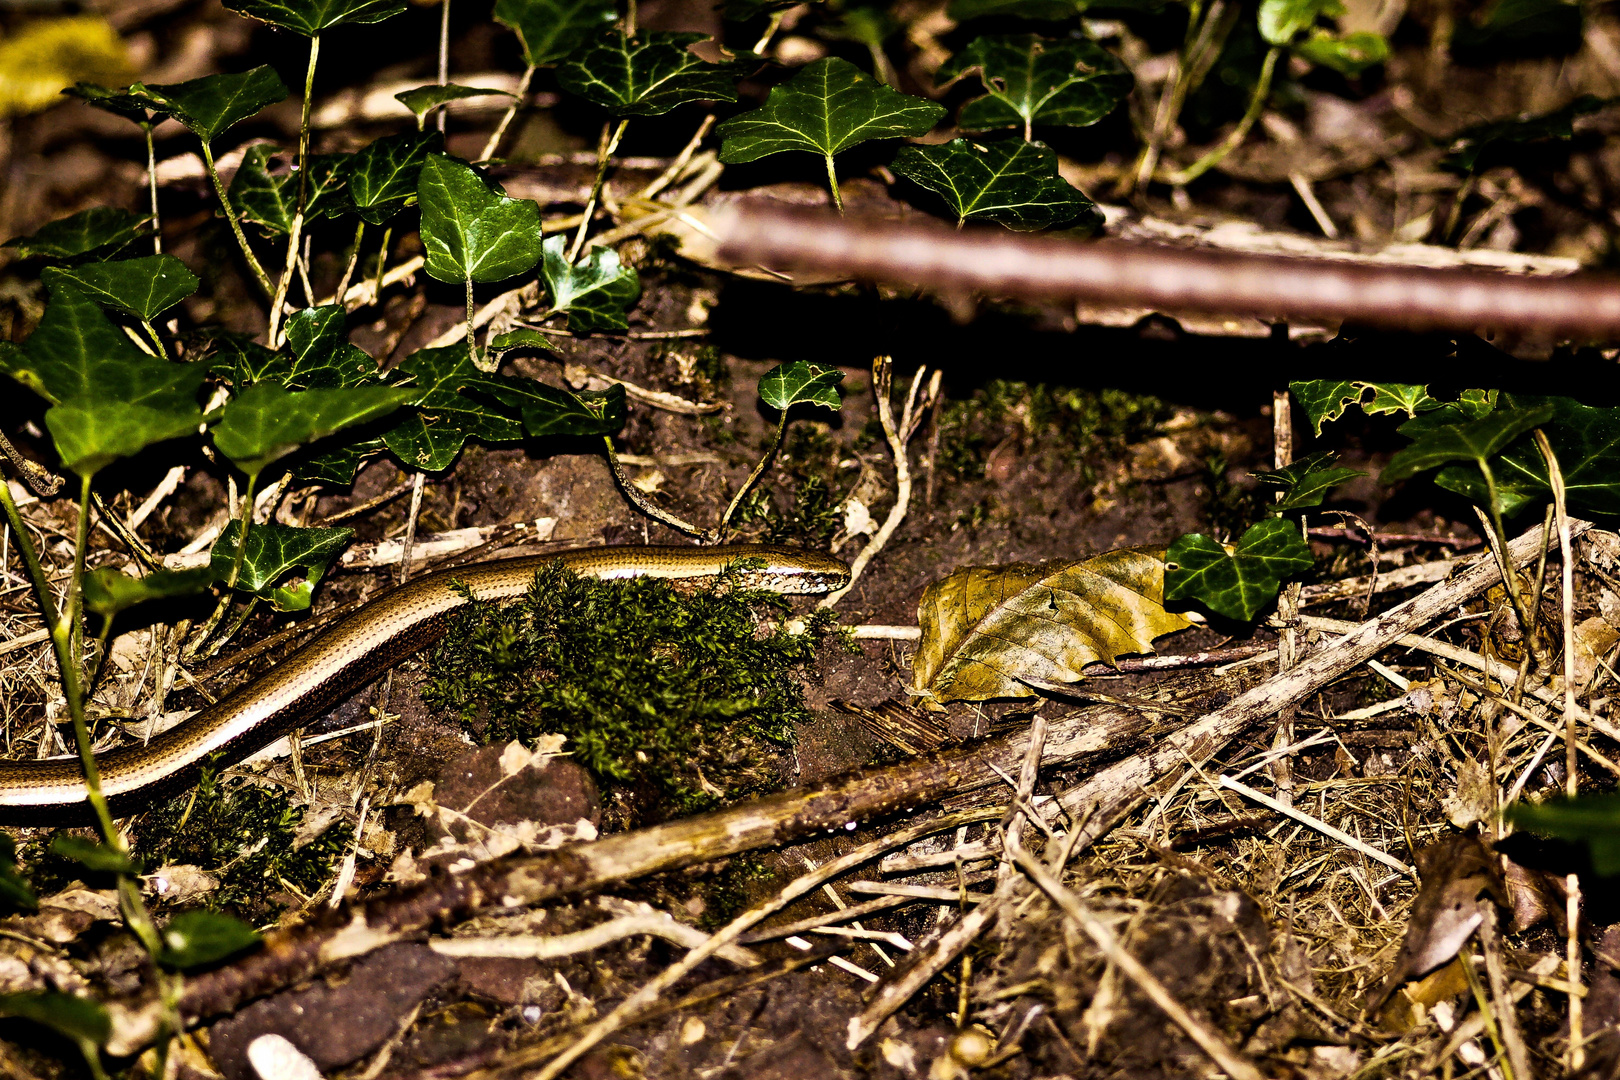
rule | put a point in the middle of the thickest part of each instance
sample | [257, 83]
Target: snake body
[351, 654]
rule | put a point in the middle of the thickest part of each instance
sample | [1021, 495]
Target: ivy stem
[151, 185]
[444, 54]
[630, 18]
[494, 141]
[770, 31]
[604, 154]
[1257, 104]
[284, 283]
[1510, 577]
[832, 183]
[753, 477]
[236, 226]
[65, 635]
[151, 332]
[472, 344]
[641, 501]
[354, 261]
[382, 261]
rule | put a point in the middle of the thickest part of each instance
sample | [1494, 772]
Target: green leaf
[1306, 481]
[826, 108]
[1473, 440]
[213, 103]
[89, 435]
[84, 1021]
[1476, 147]
[1409, 398]
[318, 354]
[1586, 443]
[1282, 20]
[1326, 399]
[446, 416]
[136, 108]
[273, 552]
[597, 294]
[100, 230]
[551, 29]
[144, 287]
[310, 17]
[1236, 580]
[1348, 54]
[424, 99]
[339, 464]
[548, 411]
[266, 422]
[1590, 819]
[108, 592]
[381, 180]
[1009, 181]
[1476, 403]
[798, 382]
[471, 229]
[195, 939]
[646, 75]
[91, 854]
[1032, 80]
[77, 352]
[14, 889]
[260, 198]
[521, 339]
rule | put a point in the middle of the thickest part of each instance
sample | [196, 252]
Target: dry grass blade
[987, 629]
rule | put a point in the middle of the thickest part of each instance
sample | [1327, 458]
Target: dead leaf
[1475, 799]
[991, 631]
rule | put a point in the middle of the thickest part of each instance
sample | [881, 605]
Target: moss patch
[1083, 425]
[675, 701]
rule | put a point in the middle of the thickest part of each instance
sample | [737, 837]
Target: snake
[354, 652]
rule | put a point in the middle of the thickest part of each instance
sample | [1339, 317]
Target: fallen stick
[1159, 276]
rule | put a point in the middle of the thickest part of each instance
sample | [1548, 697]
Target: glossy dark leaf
[551, 29]
[597, 294]
[1069, 82]
[136, 108]
[195, 939]
[310, 17]
[1348, 54]
[89, 435]
[108, 592]
[318, 355]
[270, 200]
[521, 339]
[213, 103]
[381, 180]
[144, 287]
[1236, 580]
[424, 99]
[1471, 440]
[826, 108]
[549, 411]
[1584, 440]
[338, 464]
[647, 75]
[798, 382]
[266, 422]
[471, 230]
[1306, 481]
[452, 407]
[1590, 819]
[275, 551]
[91, 854]
[100, 230]
[1325, 400]
[1010, 181]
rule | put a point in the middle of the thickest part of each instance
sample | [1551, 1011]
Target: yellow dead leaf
[992, 631]
[46, 56]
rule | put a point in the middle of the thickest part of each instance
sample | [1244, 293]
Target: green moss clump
[242, 833]
[1083, 425]
[674, 700]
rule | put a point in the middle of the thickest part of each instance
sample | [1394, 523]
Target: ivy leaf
[646, 75]
[1348, 54]
[446, 416]
[213, 103]
[1473, 440]
[551, 29]
[826, 108]
[265, 422]
[596, 294]
[471, 229]
[381, 180]
[1326, 399]
[1236, 580]
[549, 411]
[1033, 80]
[1282, 20]
[1584, 440]
[91, 854]
[270, 201]
[144, 287]
[1484, 144]
[1001, 631]
[1306, 481]
[310, 17]
[108, 592]
[86, 1022]
[1590, 819]
[337, 464]
[14, 890]
[1388, 398]
[136, 108]
[195, 939]
[521, 339]
[319, 355]
[100, 230]
[274, 551]
[424, 99]
[77, 352]
[89, 435]
[1009, 181]
[798, 382]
